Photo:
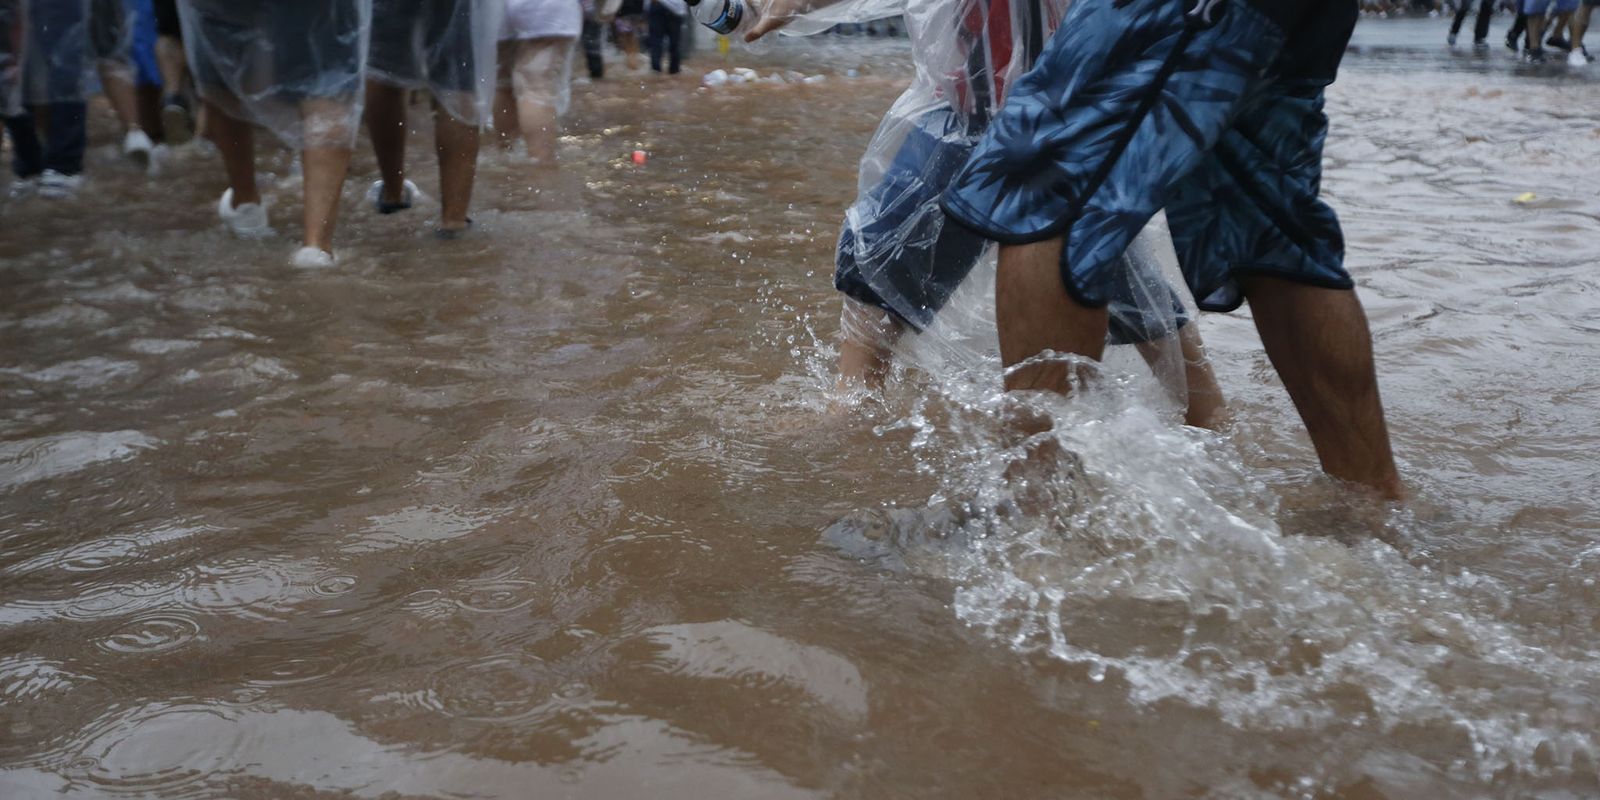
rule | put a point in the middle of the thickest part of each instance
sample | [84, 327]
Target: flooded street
[548, 511]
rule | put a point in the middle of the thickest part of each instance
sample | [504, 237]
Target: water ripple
[253, 588]
[151, 633]
[497, 596]
[498, 688]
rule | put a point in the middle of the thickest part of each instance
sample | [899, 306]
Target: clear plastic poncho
[444, 46]
[295, 67]
[57, 61]
[111, 39]
[966, 54]
[13, 33]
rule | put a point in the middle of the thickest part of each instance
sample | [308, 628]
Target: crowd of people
[309, 72]
[1559, 25]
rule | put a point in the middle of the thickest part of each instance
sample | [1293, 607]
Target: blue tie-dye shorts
[1134, 107]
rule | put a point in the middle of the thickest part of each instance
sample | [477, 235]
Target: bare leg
[1198, 390]
[1034, 314]
[1319, 343]
[865, 336]
[326, 160]
[538, 68]
[1535, 31]
[1580, 25]
[149, 105]
[170, 61]
[629, 42]
[505, 100]
[235, 140]
[386, 125]
[177, 124]
[118, 86]
[456, 144]
[505, 117]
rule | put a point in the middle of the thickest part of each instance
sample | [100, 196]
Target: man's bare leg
[505, 117]
[456, 144]
[386, 125]
[117, 82]
[326, 160]
[866, 335]
[236, 142]
[536, 108]
[1034, 314]
[1198, 389]
[177, 125]
[1320, 345]
[171, 63]
[1535, 32]
[1580, 26]
[505, 100]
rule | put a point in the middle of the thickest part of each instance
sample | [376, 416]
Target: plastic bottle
[724, 16]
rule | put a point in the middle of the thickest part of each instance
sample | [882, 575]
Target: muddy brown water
[542, 513]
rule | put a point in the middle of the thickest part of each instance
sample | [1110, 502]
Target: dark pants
[1517, 28]
[665, 29]
[592, 47]
[62, 151]
[53, 73]
[1480, 29]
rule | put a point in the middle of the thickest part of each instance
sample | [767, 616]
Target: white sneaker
[22, 188]
[137, 146]
[248, 220]
[58, 185]
[158, 158]
[309, 257]
[1576, 58]
[408, 196]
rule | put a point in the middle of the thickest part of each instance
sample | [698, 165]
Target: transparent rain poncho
[13, 34]
[295, 67]
[57, 62]
[898, 251]
[537, 44]
[111, 39]
[444, 46]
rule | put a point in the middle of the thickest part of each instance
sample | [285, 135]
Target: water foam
[1163, 569]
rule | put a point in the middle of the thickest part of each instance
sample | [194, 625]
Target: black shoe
[177, 123]
[1535, 56]
[1451, 39]
[1511, 43]
[1559, 43]
[1480, 44]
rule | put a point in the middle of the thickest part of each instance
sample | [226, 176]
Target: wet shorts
[1540, 7]
[1134, 107]
[425, 41]
[899, 253]
[167, 23]
[110, 35]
